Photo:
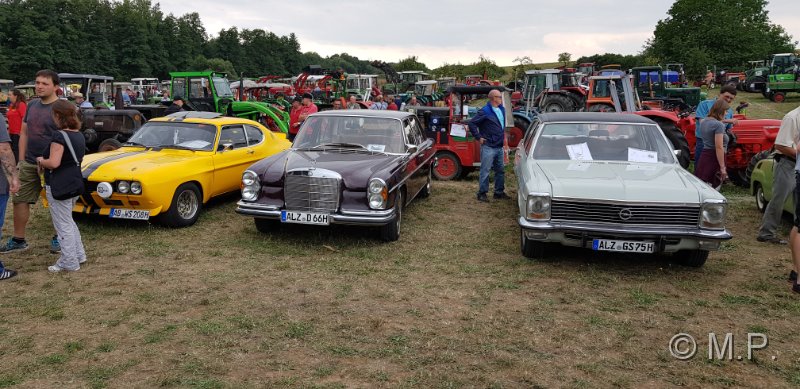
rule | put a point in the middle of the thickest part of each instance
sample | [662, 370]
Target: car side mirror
[677, 153]
[411, 148]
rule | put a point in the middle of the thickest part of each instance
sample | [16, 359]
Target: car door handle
[250, 151]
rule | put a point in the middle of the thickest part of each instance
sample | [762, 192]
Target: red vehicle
[750, 136]
[457, 151]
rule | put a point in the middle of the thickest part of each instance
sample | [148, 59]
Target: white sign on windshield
[639, 155]
[579, 152]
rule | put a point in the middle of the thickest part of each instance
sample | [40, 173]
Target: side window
[415, 127]
[410, 131]
[254, 135]
[232, 135]
[198, 89]
[529, 135]
[179, 87]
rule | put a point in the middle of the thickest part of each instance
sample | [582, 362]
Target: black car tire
[267, 225]
[753, 162]
[109, 144]
[530, 248]
[391, 232]
[761, 201]
[185, 206]
[678, 140]
[692, 258]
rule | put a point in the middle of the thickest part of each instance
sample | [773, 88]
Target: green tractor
[211, 91]
[651, 83]
[785, 72]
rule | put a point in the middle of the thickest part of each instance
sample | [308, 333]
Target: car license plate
[135, 214]
[623, 246]
[321, 219]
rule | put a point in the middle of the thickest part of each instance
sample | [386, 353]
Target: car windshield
[641, 143]
[374, 134]
[192, 136]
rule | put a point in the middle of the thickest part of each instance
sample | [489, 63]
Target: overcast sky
[453, 31]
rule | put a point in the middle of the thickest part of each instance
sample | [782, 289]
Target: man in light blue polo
[488, 128]
[727, 93]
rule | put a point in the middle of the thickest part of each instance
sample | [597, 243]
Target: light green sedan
[611, 182]
[761, 182]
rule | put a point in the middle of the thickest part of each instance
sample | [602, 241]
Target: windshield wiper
[129, 143]
[341, 144]
[178, 147]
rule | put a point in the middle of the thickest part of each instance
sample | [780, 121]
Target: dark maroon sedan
[357, 167]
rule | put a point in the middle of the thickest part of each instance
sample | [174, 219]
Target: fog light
[535, 235]
[104, 190]
[708, 245]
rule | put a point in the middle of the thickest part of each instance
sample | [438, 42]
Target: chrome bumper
[676, 232]
[365, 218]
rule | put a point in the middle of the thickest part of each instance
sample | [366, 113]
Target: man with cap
[177, 106]
[80, 101]
[294, 117]
[307, 108]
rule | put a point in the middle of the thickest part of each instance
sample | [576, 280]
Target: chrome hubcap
[187, 204]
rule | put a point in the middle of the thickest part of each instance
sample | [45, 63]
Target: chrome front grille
[649, 215]
[311, 191]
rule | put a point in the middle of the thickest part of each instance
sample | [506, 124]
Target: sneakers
[7, 273]
[502, 196]
[55, 247]
[14, 246]
[483, 198]
[58, 269]
[773, 240]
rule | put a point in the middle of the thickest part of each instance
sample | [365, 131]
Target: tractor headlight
[123, 187]
[538, 207]
[377, 194]
[136, 187]
[712, 215]
[250, 186]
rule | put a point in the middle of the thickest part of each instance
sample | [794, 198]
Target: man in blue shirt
[728, 93]
[488, 128]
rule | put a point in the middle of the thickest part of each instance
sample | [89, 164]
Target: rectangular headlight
[538, 207]
[712, 215]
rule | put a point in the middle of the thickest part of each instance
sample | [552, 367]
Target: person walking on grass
[488, 128]
[34, 137]
[9, 183]
[66, 151]
[15, 114]
[792, 120]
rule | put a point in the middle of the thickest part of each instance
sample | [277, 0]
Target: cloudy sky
[452, 31]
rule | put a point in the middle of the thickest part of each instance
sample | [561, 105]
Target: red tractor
[751, 137]
[457, 151]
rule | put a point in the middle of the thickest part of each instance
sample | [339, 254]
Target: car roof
[597, 117]
[370, 113]
[202, 117]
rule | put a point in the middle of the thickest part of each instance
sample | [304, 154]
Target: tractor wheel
[739, 177]
[761, 200]
[602, 108]
[778, 97]
[752, 165]
[516, 133]
[558, 103]
[109, 144]
[447, 166]
[678, 140]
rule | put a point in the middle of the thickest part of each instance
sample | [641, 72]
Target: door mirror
[411, 149]
[677, 153]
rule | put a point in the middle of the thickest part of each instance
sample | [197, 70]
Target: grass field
[450, 305]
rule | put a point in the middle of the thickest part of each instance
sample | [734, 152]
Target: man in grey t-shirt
[9, 183]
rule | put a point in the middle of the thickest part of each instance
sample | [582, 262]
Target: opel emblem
[625, 214]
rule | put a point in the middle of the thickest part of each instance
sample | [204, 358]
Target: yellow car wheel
[185, 208]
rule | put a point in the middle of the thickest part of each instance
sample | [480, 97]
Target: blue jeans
[492, 158]
[3, 203]
[698, 149]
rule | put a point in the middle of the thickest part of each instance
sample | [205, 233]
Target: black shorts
[797, 200]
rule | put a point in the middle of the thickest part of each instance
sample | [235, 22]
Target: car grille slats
[661, 215]
[311, 194]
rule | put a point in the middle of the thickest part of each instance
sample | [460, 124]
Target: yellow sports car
[173, 165]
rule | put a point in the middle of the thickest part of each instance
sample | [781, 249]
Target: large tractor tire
[778, 97]
[678, 140]
[752, 165]
[448, 166]
[739, 177]
[557, 103]
[602, 108]
[109, 144]
[516, 133]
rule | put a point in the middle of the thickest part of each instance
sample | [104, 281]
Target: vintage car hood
[130, 162]
[356, 168]
[626, 181]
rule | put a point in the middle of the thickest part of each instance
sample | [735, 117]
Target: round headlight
[123, 187]
[376, 201]
[249, 193]
[136, 187]
[249, 178]
[376, 185]
[104, 190]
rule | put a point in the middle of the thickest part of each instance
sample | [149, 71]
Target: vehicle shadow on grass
[565, 256]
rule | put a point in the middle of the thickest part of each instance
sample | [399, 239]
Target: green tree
[486, 68]
[730, 32]
[410, 63]
[564, 58]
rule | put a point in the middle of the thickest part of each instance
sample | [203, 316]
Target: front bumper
[667, 239]
[92, 204]
[353, 218]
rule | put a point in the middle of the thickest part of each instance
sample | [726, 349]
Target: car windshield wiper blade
[129, 143]
[341, 144]
[178, 147]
